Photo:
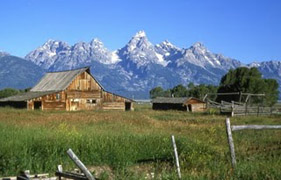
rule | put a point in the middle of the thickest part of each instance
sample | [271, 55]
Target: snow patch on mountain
[140, 52]
[57, 54]
[2, 54]
[140, 66]
[114, 57]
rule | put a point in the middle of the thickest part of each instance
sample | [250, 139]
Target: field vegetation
[137, 145]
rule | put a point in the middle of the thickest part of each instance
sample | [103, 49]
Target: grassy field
[137, 145]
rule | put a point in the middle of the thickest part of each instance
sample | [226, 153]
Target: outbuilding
[68, 90]
[189, 104]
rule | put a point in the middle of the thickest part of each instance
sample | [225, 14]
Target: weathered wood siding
[196, 105]
[109, 97]
[113, 105]
[84, 82]
[84, 93]
[200, 107]
[53, 105]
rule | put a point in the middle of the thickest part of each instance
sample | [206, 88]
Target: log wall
[84, 93]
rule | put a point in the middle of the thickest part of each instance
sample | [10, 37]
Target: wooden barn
[190, 104]
[68, 90]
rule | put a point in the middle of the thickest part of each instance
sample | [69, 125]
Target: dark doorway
[189, 108]
[37, 104]
[127, 106]
[168, 106]
[14, 104]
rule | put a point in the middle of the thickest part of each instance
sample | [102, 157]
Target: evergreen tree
[248, 80]
[197, 91]
[179, 91]
[271, 92]
[201, 90]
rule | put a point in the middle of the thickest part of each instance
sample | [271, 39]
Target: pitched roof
[26, 96]
[170, 100]
[57, 81]
[174, 100]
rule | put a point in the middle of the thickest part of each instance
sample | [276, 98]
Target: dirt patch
[102, 172]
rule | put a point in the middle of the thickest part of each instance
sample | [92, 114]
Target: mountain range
[132, 70]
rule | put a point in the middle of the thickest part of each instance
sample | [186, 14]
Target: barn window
[57, 96]
[91, 101]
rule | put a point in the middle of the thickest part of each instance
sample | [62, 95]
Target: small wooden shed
[189, 104]
[68, 90]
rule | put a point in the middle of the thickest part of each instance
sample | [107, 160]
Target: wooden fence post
[176, 156]
[81, 166]
[246, 108]
[230, 142]
[232, 108]
[60, 168]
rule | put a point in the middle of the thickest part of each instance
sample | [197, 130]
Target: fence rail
[230, 128]
[238, 109]
[242, 127]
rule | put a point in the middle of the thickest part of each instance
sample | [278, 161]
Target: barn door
[37, 105]
[128, 106]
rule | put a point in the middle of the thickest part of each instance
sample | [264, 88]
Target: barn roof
[170, 100]
[174, 100]
[58, 81]
[26, 96]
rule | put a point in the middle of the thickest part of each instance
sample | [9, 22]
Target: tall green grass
[136, 144]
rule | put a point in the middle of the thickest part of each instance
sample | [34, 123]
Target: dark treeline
[11, 92]
[198, 91]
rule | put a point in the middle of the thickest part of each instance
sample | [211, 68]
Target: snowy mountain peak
[140, 52]
[58, 55]
[167, 43]
[254, 64]
[96, 41]
[167, 46]
[46, 54]
[53, 46]
[199, 55]
[140, 34]
[51, 43]
[139, 41]
[198, 45]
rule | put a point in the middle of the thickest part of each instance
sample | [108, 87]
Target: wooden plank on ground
[242, 127]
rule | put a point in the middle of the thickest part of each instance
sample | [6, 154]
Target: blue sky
[248, 30]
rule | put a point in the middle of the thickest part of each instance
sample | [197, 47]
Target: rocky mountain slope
[140, 66]
[18, 73]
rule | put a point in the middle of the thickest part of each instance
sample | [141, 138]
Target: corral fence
[230, 128]
[237, 109]
[249, 104]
